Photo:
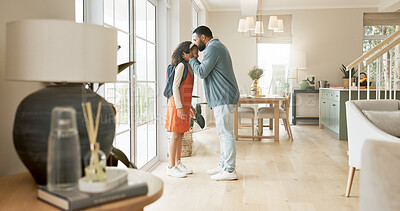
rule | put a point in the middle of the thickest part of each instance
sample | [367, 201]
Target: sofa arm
[360, 129]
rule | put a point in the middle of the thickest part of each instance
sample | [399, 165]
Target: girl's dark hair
[176, 57]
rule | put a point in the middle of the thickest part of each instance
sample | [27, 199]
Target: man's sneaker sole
[230, 177]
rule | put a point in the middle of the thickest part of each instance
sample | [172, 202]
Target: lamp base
[32, 124]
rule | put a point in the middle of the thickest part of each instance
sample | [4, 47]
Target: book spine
[109, 197]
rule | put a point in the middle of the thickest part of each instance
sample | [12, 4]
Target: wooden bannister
[371, 56]
[382, 51]
[373, 50]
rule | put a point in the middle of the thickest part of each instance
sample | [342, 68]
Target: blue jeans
[224, 122]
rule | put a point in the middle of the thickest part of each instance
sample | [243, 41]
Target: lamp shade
[249, 24]
[242, 24]
[273, 22]
[298, 60]
[259, 29]
[60, 51]
[280, 26]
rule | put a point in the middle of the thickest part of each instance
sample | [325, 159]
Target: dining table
[273, 101]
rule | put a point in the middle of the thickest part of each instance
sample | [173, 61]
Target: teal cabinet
[330, 109]
[323, 112]
[333, 109]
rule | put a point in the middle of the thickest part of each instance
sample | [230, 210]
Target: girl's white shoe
[184, 169]
[175, 172]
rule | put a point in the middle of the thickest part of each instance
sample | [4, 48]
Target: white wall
[243, 50]
[181, 22]
[329, 37]
[12, 93]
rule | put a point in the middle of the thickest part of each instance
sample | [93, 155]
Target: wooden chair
[268, 113]
[247, 112]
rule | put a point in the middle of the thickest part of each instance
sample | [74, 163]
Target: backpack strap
[170, 78]
[185, 72]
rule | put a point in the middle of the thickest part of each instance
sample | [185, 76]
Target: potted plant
[255, 74]
[253, 92]
[345, 78]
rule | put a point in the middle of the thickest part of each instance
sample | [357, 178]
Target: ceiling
[235, 5]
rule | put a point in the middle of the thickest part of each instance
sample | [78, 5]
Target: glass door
[146, 92]
[117, 16]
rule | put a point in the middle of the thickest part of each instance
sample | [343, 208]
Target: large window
[274, 60]
[377, 27]
[117, 16]
[146, 108]
[79, 11]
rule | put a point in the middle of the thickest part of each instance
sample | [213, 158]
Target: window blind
[385, 19]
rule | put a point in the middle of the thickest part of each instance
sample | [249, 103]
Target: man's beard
[202, 46]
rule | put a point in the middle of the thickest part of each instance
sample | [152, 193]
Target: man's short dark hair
[203, 30]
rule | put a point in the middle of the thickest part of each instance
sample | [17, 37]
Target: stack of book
[75, 199]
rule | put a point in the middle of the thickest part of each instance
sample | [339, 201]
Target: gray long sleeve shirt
[217, 71]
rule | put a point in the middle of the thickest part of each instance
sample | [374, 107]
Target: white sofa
[360, 128]
[379, 179]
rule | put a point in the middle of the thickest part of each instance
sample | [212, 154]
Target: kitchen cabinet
[332, 110]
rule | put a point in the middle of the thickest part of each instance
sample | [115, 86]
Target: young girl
[179, 108]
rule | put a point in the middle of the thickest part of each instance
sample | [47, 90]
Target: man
[222, 95]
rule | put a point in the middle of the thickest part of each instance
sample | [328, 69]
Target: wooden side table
[295, 115]
[19, 192]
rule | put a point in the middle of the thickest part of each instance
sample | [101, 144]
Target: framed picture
[312, 81]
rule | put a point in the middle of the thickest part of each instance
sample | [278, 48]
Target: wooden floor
[307, 174]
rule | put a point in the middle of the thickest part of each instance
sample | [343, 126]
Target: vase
[32, 124]
[303, 84]
[345, 82]
[256, 88]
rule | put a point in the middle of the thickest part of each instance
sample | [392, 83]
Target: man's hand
[187, 56]
[181, 113]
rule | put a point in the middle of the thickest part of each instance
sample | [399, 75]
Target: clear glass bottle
[95, 164]
[63, 156]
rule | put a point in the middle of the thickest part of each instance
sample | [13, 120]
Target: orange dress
[172, 121]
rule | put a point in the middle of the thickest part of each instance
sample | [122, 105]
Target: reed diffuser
[95, 160]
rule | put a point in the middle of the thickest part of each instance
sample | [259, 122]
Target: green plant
[117, 155]
[343, 69]
[255, 73]
[199, 119]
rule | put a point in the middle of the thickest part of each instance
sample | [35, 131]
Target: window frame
[150, 163]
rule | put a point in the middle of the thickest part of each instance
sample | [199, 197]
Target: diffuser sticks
[95, 160]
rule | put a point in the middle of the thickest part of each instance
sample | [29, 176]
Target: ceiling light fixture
[257, 29]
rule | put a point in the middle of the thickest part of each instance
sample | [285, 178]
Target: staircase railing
[381, 58]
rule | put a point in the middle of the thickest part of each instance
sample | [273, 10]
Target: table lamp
[68, 54]
[298, 61]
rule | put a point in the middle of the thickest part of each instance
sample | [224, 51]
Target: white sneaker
[184, 169]
[216, 170]
[175, 172]
[224, 175]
